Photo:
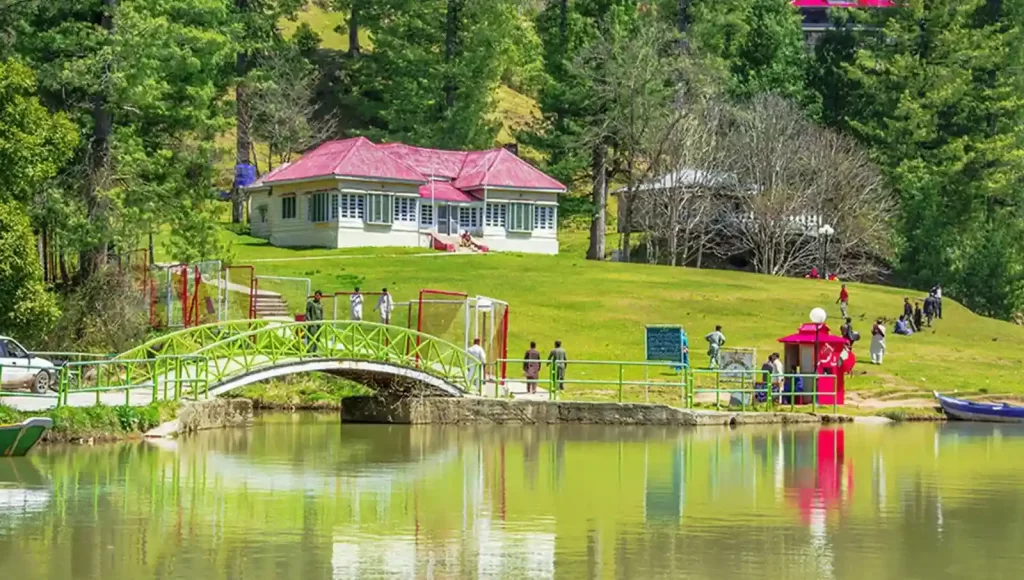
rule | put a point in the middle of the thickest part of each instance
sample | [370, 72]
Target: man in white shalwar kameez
[356, 305]
[385, 305]
[476, 362]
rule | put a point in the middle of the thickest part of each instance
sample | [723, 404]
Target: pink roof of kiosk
[468, 170]
[806, 335]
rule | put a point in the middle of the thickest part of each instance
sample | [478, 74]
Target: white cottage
[353, 193]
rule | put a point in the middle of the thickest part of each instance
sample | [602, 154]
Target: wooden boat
[16, 440]
[962, 410]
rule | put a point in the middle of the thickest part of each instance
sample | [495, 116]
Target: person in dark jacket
[531, 367]
[929, 309]
[918, 316]
[908, 312]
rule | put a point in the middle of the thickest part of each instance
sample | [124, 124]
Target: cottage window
[520, 217]
[494, 215]
[405, 209]
[545, 217]
[320, 207]
[380, 208]
[469, 218]
[350, 206]
[288, 207]
[427, 215]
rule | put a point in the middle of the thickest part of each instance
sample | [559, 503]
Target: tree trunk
[451, 50]
[243, 140]
[599, 196]
[353, 29]
[683, 16]
[64, 277]
[152, 252]
[627, 210]
[563, 21]
[41, 251]
[92, 258]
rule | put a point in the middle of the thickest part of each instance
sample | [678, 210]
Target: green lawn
[599, 309]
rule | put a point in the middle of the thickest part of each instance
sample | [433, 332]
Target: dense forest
[123, 118]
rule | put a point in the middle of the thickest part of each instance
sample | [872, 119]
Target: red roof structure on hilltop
[454, 173]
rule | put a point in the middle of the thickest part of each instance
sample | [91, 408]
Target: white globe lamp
[819, 316]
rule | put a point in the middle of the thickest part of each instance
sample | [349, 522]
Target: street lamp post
[818, 317]
[825, 232]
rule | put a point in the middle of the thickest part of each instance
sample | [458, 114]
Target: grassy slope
[599, 310]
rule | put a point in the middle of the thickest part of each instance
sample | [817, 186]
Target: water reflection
[302, 496]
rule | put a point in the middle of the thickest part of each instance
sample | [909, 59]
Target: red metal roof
[809, 334]
[436, 162]
[500, 168]
[356, 157]
[844, 3]
[469, 170]
[445, 191]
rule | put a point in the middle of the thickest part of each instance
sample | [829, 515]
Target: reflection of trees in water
[587, 502]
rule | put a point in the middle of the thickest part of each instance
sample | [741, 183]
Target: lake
[300, 496]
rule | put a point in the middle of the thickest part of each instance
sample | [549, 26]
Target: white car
[20, 368]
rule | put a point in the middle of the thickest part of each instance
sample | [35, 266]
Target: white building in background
[354, 193]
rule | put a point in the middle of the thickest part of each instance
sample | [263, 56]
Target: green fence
[638, 381]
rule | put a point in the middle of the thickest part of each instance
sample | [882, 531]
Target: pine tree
[938, 99]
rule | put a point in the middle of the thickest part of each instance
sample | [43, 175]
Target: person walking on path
[557, 359]
[877, 342]
[531, 367]
[477, 363]
[715, 341]
[355, 307]
[314, 313]
[844, 300]
[908, 313]
[385, 305]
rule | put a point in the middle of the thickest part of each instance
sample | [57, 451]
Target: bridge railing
[297, 341]
[167, 377]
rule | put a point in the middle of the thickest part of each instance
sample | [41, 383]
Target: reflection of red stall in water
[823, 488]
[814, 350]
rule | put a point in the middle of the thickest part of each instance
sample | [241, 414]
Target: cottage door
[444, 222]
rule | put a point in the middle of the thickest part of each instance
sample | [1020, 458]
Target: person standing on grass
[314, 313]
[937, 292]
[477, 363]
[843, 300]
[557, 359]
[355, 301]
[877, 342]
[531, 367]
[908, 312]
[385, 305]
[929, 309]
[715, 342]
[918, 317]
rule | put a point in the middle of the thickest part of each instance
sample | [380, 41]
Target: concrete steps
[271, 305]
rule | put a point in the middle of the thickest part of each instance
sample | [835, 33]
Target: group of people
[914, 318]
[385, 306]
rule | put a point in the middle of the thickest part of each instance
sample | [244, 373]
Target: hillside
[599, 309]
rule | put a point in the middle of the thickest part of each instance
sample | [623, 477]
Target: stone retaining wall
[462, 411]
[211, 414]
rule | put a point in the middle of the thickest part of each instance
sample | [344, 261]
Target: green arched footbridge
[210, 360]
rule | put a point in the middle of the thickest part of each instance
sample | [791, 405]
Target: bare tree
[635, 78]
[793, 177]
[283, 106]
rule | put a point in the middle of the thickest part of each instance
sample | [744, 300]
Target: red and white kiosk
[815, 350]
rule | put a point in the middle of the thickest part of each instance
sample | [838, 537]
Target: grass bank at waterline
[99, 423]
[314, 392]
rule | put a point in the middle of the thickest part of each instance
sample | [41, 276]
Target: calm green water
[302, 497]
